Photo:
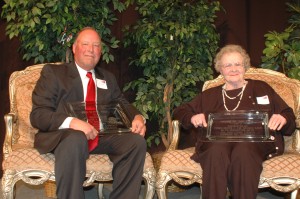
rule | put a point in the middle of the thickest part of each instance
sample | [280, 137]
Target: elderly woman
[235, 165]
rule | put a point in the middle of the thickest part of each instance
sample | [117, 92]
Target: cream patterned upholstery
[23, 162]
[281, 173]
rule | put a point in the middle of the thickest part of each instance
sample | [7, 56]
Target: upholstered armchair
[23, 162]
[281, 173]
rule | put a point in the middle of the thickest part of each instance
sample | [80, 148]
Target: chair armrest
[10, 120]
[175, 135]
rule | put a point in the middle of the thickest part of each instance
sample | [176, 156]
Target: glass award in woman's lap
[113, 118]
[238, 126]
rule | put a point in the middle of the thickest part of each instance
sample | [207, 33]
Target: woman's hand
[199, 120]
[276, 122]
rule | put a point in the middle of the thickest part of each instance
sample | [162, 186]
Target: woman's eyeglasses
[230, 65]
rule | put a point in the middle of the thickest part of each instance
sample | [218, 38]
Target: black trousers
[127, 152]
[233, 165]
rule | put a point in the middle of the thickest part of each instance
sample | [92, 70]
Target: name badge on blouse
[101, 83]
[263, 100]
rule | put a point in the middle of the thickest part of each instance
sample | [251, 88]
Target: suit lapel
[100, 92]
[75, 82]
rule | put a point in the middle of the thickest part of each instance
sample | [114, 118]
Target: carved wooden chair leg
[162, 181]
[200, 192]
[8, 189]
[162, 192]
[100, 190]
[294, 194]
[149, 189]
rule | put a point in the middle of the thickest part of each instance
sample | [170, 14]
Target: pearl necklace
[225, 94]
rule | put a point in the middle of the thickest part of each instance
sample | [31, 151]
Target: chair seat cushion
[29, 159]
[179, 160]
[286, 165]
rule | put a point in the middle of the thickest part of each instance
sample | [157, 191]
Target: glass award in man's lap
[113, 117]
[238, 126]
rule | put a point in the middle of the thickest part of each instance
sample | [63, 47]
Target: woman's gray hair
[230, 49]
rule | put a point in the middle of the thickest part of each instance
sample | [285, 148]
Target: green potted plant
[282, 50]
[175, 42]
[47, 27]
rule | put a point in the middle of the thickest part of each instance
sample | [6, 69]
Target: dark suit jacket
[58, 85]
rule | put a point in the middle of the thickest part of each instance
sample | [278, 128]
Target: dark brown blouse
[211, 101]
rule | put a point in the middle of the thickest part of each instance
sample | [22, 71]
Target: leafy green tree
[46, 28]
[282, 50]
[175, 42]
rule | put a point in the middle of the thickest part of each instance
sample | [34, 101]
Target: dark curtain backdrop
[247, 21]
[244, 22]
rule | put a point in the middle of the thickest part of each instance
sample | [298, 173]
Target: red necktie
[91, 111]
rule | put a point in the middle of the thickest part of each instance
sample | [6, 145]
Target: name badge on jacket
[101, 83]
[263, 100]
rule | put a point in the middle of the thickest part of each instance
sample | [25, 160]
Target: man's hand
[85, 127]
[199, 120]
[138, 125]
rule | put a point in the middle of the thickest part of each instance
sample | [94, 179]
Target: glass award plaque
[113, 117]
[238, 126]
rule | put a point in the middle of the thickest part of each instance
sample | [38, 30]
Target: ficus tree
[175, 42]
[46, 28]
[282, 50]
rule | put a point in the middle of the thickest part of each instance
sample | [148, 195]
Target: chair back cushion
[21, 85]
[287, 88]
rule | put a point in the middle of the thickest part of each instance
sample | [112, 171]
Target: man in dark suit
[68, 137]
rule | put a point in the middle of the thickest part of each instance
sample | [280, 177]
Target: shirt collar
[83, 72]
